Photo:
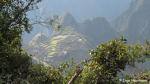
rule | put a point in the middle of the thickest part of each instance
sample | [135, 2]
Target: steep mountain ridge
[135, 22]
[95, 30]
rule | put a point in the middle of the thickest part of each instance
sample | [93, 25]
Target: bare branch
[77, 73]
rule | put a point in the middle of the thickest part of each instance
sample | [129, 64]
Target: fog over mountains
[95, 30]
[75, 39]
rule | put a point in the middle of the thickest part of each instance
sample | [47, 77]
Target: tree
[40, 74]
[108, 59]
[14, 61]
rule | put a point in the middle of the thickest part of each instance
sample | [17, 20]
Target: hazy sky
[83, 9]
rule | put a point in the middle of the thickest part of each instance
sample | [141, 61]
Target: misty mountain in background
[73, 41]
[96, 30]
[76, 38]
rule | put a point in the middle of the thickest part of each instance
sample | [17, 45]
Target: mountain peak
[68, 20]
[67, 14]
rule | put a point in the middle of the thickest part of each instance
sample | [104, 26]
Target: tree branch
[78, 71]
[19, 13]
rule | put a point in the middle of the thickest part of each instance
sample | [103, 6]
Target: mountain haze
[75, 39]
[95, 30]
[135, 22]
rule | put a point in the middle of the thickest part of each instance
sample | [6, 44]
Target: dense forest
[107, 60]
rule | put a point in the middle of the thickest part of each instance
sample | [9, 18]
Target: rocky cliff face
[135, 22]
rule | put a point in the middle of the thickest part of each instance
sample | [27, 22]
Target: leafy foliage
[40, 74]
[108, 59]
[14, 61]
